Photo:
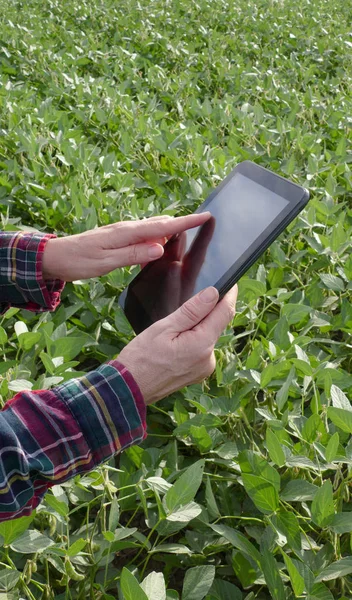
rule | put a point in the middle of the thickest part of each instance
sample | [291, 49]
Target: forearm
[21, 276]
[47, 437]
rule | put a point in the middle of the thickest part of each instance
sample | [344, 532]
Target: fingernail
[209, 294]
[155, 251]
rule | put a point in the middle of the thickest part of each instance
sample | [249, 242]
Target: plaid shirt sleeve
[49, 436]
[21, 278]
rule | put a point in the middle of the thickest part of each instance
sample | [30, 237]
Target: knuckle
[132, 254]
[189, 310]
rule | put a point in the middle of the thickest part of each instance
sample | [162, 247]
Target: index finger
[214, 324]
[150, 229]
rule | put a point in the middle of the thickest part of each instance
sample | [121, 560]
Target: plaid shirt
[49, 436]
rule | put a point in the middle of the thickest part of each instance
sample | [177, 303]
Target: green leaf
[185, 513]
[319, 591]
[201, 438]
[281, 331]
[212, 506]
[339, 399]
[197, 582]
[20, 385]
[276, 453]
[341, 418]
[287, 524]
[310, 428]
[31, 541]
[60, 507]
[28, 340]
[332, 282]
[154, 586]
[208, 421]
[251, 288]
[186, 486]
[256, 465]
[130, 586]
[341, 523]
[69, 347]
[299, 490]
[322, 508]
[295, 313]
[76, 547]
[273, 371]
[11, 530]
[47, 362]
[262, 493]
[297, 580]
[238, 540]
[332, 447]
[272, 576]
[282, 394]
[336, 569]
[114, 515]
[3, 336]
[8, 579]
[224, 590]
[245, 571]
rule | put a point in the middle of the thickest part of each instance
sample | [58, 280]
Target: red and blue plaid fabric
[49, 436]
[21, 279]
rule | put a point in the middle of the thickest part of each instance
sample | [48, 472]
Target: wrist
[128, 374]
[48, 264]
[132, 368]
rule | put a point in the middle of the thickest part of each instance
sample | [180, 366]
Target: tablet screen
[199, 257]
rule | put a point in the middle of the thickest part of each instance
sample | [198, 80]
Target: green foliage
[113, 111]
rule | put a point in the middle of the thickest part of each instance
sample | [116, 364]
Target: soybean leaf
[185, 513]
[31, 541]
[224, 590]
[262, 493]
[287, 524]
[130, 586]
[336, 569]
[341, 523]
[332, 447]
[275, 450]
[186, 486]
[298, 490]
[297, 580]
[272, 576]
[154, 586]
[341, 418]
[12, 529]
[8, 579]
[339, 399]
[238, 540]
[319, 591]
[197, 582]
[323, 505]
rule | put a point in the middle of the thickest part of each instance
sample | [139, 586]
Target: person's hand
[170, 281]
[99, 251]
[179, 349]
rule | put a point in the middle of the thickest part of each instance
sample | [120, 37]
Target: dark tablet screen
[197, 258]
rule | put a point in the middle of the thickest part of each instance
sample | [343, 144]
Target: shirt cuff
[109, 408]
[21, 276]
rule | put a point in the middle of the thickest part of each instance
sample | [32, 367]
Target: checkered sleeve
[49, 436]
[21, 278]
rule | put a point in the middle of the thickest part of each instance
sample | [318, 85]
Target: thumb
[193, 311]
